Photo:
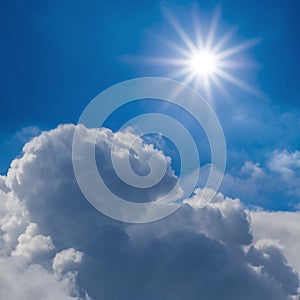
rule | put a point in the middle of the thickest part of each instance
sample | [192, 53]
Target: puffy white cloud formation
[287, 165]
[21, 281]
[193, 254]
[30, 243]
[13, 221]
[24, 272]
[65, 260]
[280, 226]
[267, 255]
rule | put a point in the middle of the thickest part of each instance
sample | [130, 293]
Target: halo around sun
[204, 62]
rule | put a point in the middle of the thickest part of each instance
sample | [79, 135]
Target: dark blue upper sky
[57, 55]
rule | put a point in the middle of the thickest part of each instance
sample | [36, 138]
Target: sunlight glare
[205, 60]
[203, 63]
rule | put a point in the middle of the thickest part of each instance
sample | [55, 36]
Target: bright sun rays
[205, 61]
[202, 63]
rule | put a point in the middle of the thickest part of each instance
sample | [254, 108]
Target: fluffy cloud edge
[226, 220]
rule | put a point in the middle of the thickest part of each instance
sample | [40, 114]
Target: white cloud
[194, 253]
[21, 281]
[66, 260]
[30, 243]
[13, 221]
[26, 133]
[286, 163]
[252, 170]
[223, 219]
[259, 185]
[3, 186]
[268, 255]
[281, 226]
[21, 244]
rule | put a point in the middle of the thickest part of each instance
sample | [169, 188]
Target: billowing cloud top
[55, 245]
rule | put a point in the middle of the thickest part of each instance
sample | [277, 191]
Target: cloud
[25, 255]
[66, 260]
[225, 219]
[287, 165]
[13, 221]
[194, 253]
[30, 243]
[281, 226]
[23, 274]
[268, 256]
[278, 178]
[26, 134]
[21, 281]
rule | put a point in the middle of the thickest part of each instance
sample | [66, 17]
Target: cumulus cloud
[268, 256]
[30, 243]
[280, 226]
[13, 221]
[286, 163]
[21, 246]
[21, 281]
[66, 260]
[194, 253]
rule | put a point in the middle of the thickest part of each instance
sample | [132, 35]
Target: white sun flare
[203, 62]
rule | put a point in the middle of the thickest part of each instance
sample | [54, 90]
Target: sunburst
[205, 62]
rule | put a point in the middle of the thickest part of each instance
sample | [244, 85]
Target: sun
[205, 60]
[202, 63]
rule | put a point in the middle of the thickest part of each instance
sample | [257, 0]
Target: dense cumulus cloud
[282, 227]
[55, 245]
[24, 258]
